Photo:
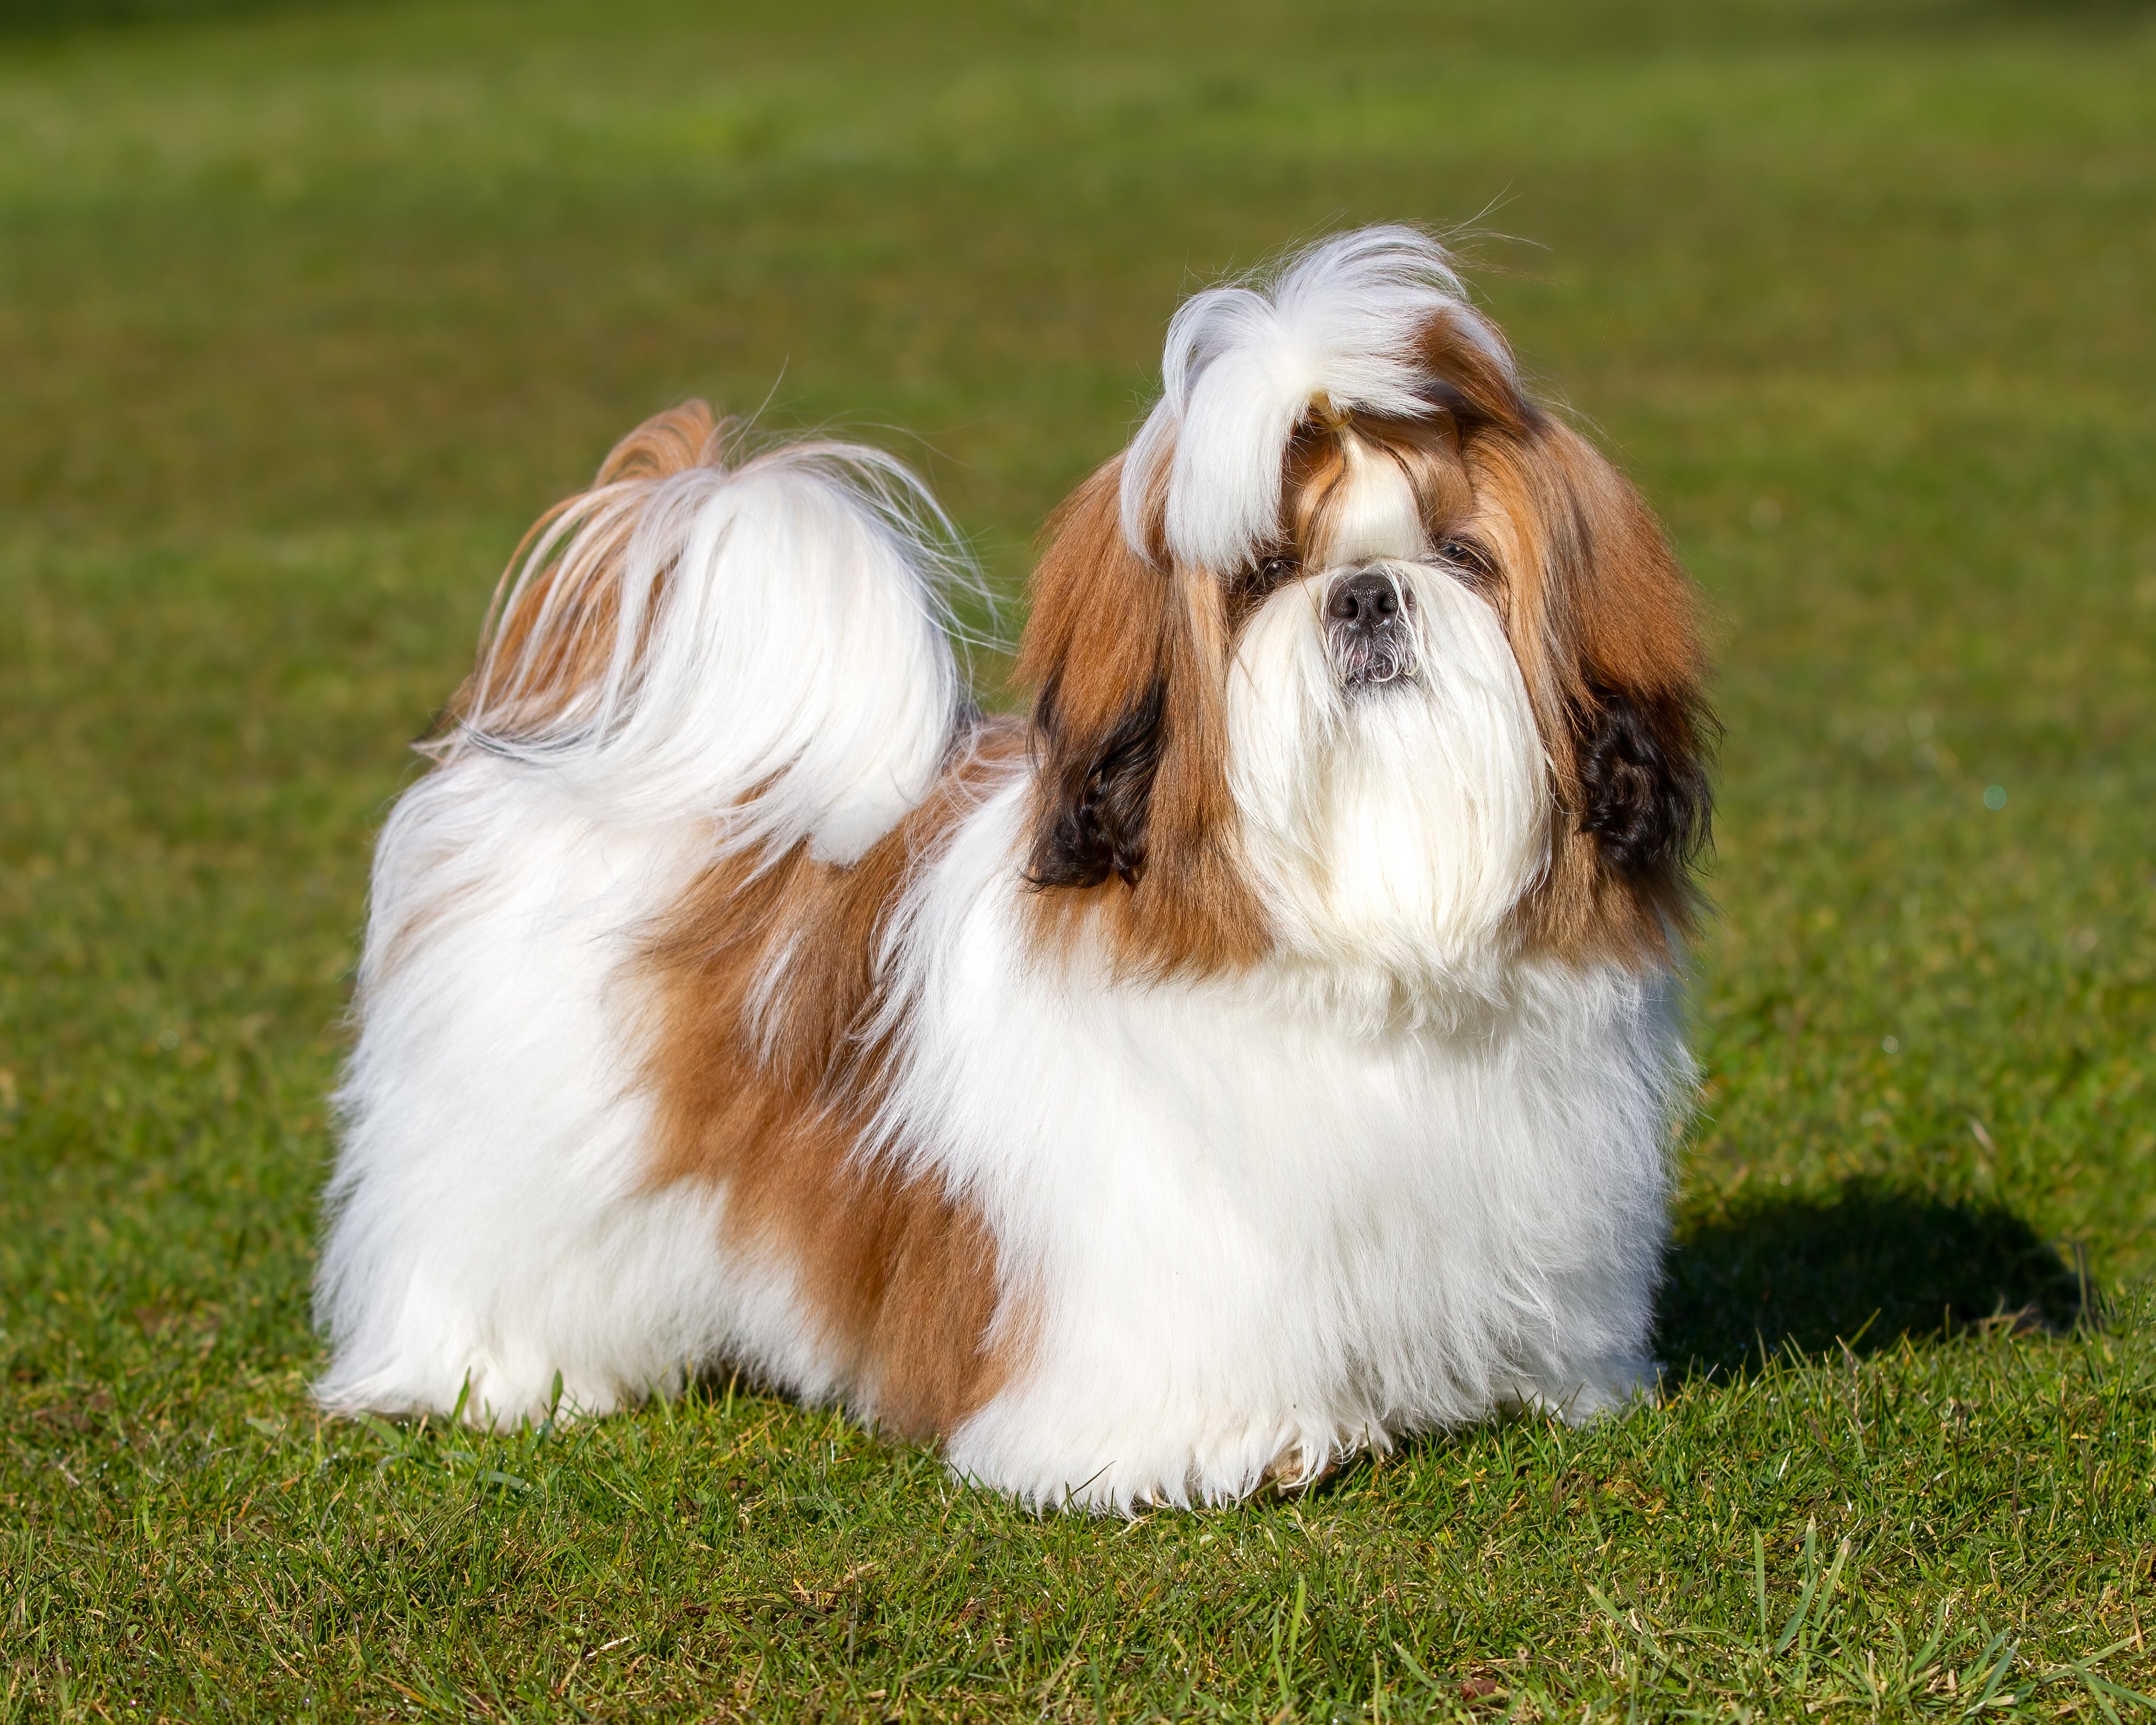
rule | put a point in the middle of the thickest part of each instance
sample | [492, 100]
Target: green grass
[303, 312]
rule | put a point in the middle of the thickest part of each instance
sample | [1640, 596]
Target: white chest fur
[1251, 1232]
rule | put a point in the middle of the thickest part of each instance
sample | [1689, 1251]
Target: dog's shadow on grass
[1864, 1266]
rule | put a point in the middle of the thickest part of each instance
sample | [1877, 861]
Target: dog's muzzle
[1370, 628]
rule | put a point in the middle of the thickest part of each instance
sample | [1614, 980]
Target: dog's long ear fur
[1605, 624]
[1092, 648]
[1131, 823]
[1639, 723]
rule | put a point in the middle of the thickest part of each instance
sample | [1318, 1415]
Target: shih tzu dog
[1264, 1049]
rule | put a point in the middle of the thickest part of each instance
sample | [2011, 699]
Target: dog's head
[1358, 655]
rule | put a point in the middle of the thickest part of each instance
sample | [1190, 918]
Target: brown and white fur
[1264, 1050]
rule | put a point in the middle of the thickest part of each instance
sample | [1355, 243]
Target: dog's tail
[764, 645]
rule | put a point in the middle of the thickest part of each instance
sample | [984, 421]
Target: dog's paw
[1296, 1469]
[1606, 1389]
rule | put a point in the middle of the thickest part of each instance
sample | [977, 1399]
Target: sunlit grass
[303, 313]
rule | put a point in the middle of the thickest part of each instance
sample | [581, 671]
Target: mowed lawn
[304, 313]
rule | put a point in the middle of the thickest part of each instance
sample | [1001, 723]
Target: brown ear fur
[1132, 825]
[1603, 623]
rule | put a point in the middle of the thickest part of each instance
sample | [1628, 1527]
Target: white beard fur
[1391, 829]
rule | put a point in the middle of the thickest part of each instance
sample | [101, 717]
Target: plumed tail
[763, 643]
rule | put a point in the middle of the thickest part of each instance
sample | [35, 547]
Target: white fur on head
[1243, 365]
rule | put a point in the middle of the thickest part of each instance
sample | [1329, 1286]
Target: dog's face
[1357, 656]
[1383, 754]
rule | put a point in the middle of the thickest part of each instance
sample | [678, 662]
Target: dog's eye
[1471, 558]
[1268, 573]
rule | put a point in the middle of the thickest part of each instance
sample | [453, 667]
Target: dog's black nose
[1367, 601]
[1368, 629]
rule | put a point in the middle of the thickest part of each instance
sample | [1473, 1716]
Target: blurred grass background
[305, 310]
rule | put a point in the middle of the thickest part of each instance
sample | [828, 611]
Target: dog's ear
[1605, 624]
[1642, 733]
[1620, 630]
[1095, 647]
[1133, 829]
